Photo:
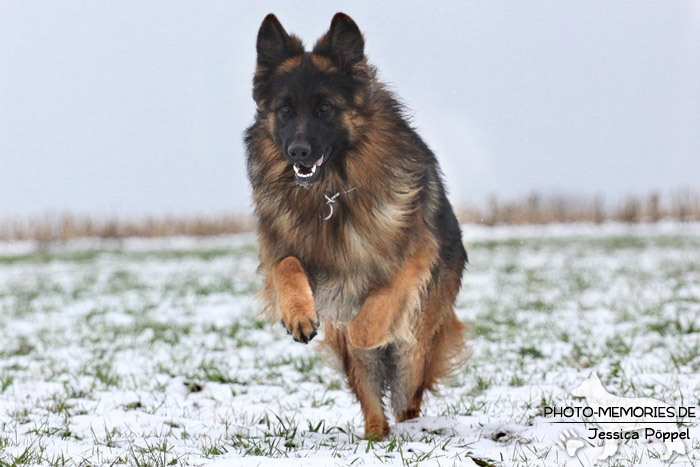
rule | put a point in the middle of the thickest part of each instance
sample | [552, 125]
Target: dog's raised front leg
[295, 299]
[370, 327]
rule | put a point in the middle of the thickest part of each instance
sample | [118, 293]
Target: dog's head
[311, 102]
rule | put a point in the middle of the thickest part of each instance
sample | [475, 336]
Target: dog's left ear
[274, 45]
[343, 43]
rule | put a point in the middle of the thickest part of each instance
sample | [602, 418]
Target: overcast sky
[138, 107]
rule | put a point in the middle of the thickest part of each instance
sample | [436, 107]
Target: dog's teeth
[299, 173]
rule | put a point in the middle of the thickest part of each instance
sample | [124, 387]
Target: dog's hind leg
[439, 348]
[365, 374]
[422, 367]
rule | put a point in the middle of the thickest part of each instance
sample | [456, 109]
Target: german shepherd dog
[353, 223]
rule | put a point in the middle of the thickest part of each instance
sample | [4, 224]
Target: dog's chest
[349, 267]
[339, 298]
[347, 254]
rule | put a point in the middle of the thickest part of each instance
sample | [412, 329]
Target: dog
[598, 397]
[354, 227]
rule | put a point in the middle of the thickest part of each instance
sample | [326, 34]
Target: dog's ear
[343, 43]
[274, 46]
[594, 375]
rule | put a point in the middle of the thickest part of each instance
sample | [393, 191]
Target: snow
[151, 351]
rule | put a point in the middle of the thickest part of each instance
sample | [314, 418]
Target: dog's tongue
[319, 162]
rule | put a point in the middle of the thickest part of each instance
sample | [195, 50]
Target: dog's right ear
[274, 46]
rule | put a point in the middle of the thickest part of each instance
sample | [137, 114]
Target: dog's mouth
[306, 174]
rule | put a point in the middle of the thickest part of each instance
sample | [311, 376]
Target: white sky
[135, 107]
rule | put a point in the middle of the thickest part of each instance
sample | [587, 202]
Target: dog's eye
[285, 109]
[324, 108]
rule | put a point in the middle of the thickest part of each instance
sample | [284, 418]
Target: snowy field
[150, 352]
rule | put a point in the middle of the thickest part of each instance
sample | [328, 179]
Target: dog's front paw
[301, 325]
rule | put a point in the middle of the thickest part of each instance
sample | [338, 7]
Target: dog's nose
[299, 150]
